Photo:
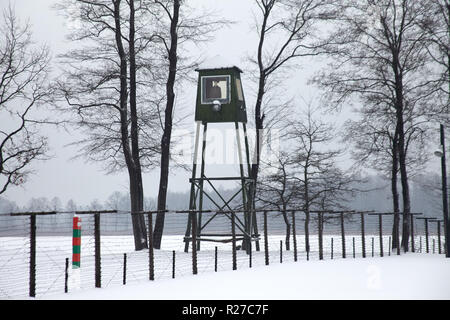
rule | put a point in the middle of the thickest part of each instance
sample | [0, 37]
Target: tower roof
[216, 62]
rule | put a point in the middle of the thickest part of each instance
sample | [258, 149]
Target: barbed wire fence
[36, 247]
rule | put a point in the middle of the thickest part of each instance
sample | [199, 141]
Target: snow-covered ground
[360, 278]
[409, 276]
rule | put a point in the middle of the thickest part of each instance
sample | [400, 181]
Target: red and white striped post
[76, 242]
[76, 252]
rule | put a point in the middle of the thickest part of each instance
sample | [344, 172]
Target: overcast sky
[83, 182]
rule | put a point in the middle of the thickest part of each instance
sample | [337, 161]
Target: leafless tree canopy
[287, 30]
[91, 84]
[381, 63]
[24, 69]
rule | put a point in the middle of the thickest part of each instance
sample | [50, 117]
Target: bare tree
[277, 188]
[321, 184]
[177, 24]
[171, 49]
[286, 31]
[107, 84]
[436, 25]
[24, 73]
[380, 59]
[374, 144]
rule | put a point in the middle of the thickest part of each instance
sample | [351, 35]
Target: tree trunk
[406, 202]
[259, 119]
[399, 108]
[402, 164]
[137, 203]
[166, 138]
[137, 196]
[288, 228]
[395, 195]
[136, 191]
[259, 124]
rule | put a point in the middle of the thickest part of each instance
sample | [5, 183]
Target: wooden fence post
[124, 269]
[413, 249]
[390, 246]
[363, 236]
[266, 240]
[233, 232]
[98, 277]
[380, 225]
[193, 215]
[439, 235]
[332, 248]
[294, 234]
[66, 276]
[373, 246]
[151, 260]
[215, 259]
[320, 227]
[32, 288]
[354, 252]
[343, 235]
[173, 264]
[281, 251]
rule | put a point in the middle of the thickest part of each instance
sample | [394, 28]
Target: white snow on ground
[409, 276]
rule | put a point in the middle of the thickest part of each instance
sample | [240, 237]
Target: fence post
[32, 289]
[380, 225]
[266, 241]
[320, 225]
[76, 242]
[233, 232]
[294, 235]
[98, 283]
[332, 246]
[66, 276]
[397, 231]
[363, 236]
[439, 236]
[343, 235]
[215, 259]
[281, 251]
[426, 235]
[151, 259]
[373, 246]
[390, 246]
[124, 269]
[173, 264]
[433, 246]
[413, 249]
[420, 244]
[194, 241]
[76, 251]
[250, 251]
[354, 252]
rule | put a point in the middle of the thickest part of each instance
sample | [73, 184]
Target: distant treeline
[375, 195]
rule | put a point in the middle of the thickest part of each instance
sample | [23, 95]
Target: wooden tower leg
[247, 226]
[202, 176]
[192, 199]
[253, 186]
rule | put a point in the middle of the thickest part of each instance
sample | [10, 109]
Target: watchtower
[220, 99]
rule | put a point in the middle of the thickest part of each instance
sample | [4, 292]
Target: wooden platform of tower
[220, 99]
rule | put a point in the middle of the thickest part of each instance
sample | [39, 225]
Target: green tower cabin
[220, 99]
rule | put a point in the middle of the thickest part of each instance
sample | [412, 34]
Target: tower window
[215, 88]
